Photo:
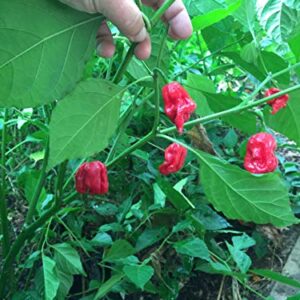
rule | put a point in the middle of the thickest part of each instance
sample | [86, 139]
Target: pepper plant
[177, 194]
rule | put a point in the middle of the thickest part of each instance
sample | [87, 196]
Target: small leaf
[68, 259]
[277, 277]
[107, 286]
[119, 249]
[102, 239]
[139, 275]
[51, 280]
[150, 236]
[242, 260]
[193, 247]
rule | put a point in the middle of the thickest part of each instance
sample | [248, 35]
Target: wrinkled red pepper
[178, 104]
[91, 178]
[174, 159]
[260, 156]
[277, 103]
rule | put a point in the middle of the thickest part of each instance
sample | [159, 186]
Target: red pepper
[174, 159]
[178, 104]
[277, 103]
[260, 156]
[91, 178]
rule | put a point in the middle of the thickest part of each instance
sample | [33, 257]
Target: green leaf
[179, 200]
[242, 260]
[68, 259]
[240, 195]
[279, 20]
[102, 239]
[244, 121]
[276, 277]
[108, 285]
[287, 120]
[207, 218]
[65, 283]
[193, 247]
[294, 43]
[51, 280]
[150, 236]
[106, 209]
[246, 14]
[214, 16]
[243, 242]
[83, 122]
[196, 85]
[139, 275]
[119, 249]
[43, 48]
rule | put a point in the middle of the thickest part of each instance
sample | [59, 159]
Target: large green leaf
[279, 20]
[68, 259]
[51, 281]
[43, 47]
[214, 16]
[139, 274]
[287, 120]
[83, 122]
[240, 195]
[294, 43]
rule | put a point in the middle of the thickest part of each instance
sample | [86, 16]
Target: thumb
[126, 16]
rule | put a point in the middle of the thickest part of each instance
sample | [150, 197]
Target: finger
[177, 16]
[143, 49]
[105, 43]
[126, 16]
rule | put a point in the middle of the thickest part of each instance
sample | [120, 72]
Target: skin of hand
[126, 15]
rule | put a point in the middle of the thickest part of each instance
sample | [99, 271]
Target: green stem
[3, 206]
[157, 106]
[124, 64]
[160, 12]
[133, 147]
[206, 57]
[234, 110]
[29, 231]
[38, 189]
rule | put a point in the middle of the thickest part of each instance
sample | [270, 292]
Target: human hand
[126, 15]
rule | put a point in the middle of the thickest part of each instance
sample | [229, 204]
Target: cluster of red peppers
[260, 156]
[277, 103]
[91, 177]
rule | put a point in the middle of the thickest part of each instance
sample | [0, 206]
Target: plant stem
[234, 110]
[38, 189]
[29, 231]
[133, 147]
[160, 12]
[124, 64]
[157, 106]
[3, 206]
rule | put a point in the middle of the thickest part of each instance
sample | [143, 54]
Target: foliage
[61, 105]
